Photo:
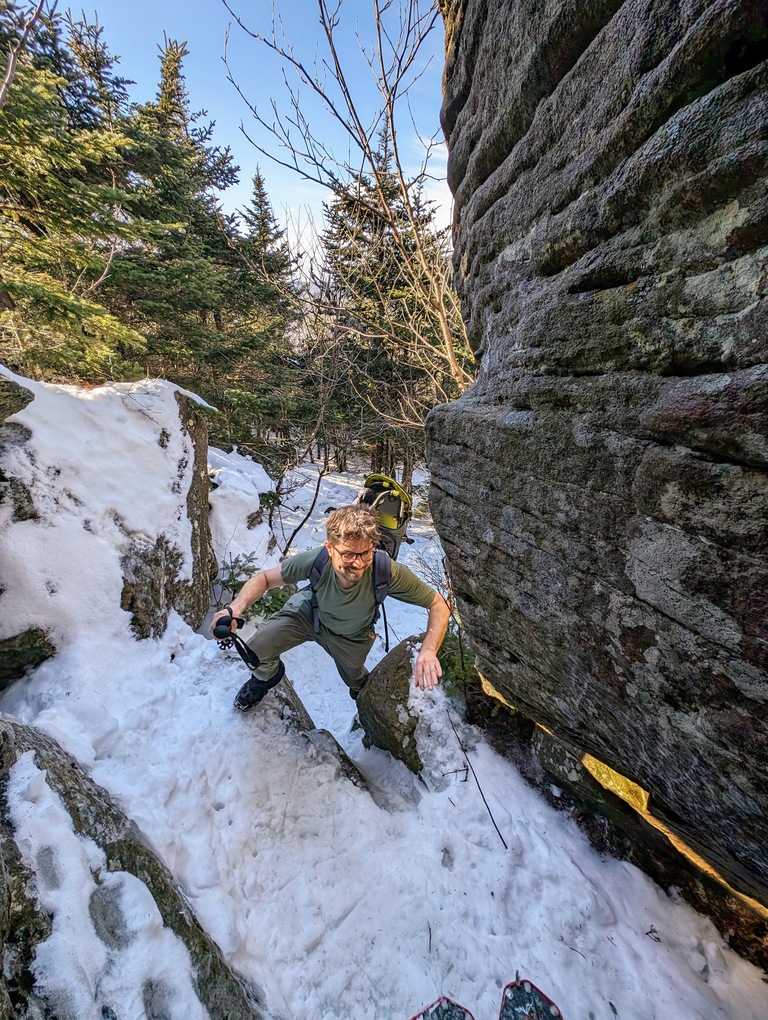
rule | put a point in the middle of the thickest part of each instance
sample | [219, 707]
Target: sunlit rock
[383, 706]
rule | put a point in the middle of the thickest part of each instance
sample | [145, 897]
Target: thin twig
[308, 514]
[474, 774]
[573, 950]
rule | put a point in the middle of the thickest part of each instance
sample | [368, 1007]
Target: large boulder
[383, 710]
[95, 816]
[601, 491]
[163, 570]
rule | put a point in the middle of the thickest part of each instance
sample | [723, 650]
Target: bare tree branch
[16, 48]
[395, 353]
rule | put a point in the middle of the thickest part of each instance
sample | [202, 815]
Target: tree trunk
[380, 457]
[407, 480]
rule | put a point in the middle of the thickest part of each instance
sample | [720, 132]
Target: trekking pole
[223, 629]
[226, 639]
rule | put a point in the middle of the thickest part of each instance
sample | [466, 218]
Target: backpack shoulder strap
[318, 568]
[317, 571]
[382, 570]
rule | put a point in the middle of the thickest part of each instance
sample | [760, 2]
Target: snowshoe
[524, 1001]
[444, 1009]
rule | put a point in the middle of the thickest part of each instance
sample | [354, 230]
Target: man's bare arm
[427, 669]
[253, 589]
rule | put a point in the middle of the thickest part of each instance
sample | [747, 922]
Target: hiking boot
[253, 690]
[354, 692]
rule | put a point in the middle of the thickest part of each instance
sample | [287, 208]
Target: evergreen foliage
[117, 260]
[60, 221]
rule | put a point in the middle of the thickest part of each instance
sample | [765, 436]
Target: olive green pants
[292, 626]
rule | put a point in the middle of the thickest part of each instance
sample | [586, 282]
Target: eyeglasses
[350, 557]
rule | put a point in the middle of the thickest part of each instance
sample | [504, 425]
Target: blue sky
[133, 30]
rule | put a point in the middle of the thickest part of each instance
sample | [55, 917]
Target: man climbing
[346, 608]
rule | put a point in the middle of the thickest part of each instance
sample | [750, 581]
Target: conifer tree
[60, 220]
[171, 284]
[259, 367]
[172, 98]
[267, 268]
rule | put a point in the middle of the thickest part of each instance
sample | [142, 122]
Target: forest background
[118, 259]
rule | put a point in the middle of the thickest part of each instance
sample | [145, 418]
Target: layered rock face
[601, 491]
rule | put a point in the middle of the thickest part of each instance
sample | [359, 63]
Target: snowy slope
[336, 902]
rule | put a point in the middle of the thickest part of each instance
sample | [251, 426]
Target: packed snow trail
[336, 902]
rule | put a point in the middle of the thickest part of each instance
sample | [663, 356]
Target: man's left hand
[427, 670]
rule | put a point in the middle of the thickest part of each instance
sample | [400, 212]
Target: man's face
[350, 558]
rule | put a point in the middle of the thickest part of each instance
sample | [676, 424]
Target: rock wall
[153, 581]
[30, 648]
[193, 600]
[601, 491]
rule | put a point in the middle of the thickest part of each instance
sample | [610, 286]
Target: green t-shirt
[350, 611]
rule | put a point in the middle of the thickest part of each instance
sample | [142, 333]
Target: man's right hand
[251, 592]
[224, 616]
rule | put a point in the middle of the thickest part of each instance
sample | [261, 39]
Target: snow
[335, 901]
[144, 952]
